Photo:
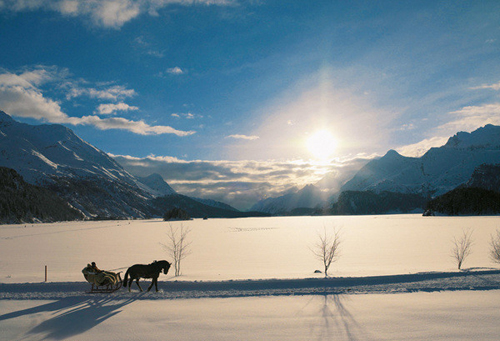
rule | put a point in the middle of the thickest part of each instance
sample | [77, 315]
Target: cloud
[138, 127]
[472, 117]
[188, 115]
[141, 43]
[110, 108]
[21, 96]
[238, 183]
[243, 137]
[113, 93]
[420, 148]
[175, 71]
[486, 86]
[103, 13]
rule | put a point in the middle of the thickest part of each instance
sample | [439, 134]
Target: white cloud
[110, 108]
[141, 43]
[188, 115]
[20, 96]
[138, 127]
[243, 137]
[486, 86]
[112, 93]
[420, 148]
[472, 117]
[175, 71]
[105, 13]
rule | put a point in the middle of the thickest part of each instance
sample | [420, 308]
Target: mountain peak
[484, 137]
[157, 186]
[4, 117]
[392, 154]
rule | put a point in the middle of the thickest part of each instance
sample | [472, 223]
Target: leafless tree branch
[327, 249]
[462, 247]
[495, 247]
[177, 246]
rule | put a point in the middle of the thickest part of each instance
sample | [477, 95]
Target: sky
[238, 100]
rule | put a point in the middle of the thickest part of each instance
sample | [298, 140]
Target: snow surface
[253, 278]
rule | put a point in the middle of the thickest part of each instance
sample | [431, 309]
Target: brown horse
[146, 271]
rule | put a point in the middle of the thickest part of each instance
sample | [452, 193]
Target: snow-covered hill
[437, 171]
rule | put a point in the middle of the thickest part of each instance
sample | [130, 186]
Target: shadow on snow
[71, 316]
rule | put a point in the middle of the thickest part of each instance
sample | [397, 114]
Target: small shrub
[495, 247]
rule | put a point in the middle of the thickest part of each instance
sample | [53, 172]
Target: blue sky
[221, 97]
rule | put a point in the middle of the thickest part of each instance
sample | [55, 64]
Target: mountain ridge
[438, 171]
[54, 157]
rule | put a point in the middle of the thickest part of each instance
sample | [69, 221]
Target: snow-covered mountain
[155, 185]
[437, 171]
[308, 197]
[39, 152]
[52, 156]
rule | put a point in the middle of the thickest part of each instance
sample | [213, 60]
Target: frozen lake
[248, 279]
[252, 248]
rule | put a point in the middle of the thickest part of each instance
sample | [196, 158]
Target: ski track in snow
[472, 279]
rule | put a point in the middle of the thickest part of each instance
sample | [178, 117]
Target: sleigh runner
[102, 281]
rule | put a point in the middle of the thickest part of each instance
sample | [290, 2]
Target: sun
[321, 144]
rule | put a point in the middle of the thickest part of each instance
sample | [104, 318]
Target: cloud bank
[240, 183]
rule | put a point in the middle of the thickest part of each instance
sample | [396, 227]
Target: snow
[254, 278]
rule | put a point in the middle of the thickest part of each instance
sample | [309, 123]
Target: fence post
[45, 273]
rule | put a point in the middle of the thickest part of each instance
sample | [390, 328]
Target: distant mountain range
[438, 171]
[308, 197]
[74, 178]
[52, 157]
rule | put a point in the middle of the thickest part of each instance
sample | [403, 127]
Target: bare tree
[327, 249]
[462, 247]
[495, 247]
[177, 246]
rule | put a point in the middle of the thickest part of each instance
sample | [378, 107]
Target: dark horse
[146, 271]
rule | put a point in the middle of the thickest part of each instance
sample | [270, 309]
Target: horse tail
[125, 279]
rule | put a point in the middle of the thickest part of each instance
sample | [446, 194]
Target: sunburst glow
[322, 144]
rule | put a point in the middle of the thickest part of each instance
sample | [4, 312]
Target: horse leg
[130, 284]
[137, 281]
[155, 282]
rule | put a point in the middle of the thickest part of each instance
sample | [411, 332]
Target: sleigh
[102, 281]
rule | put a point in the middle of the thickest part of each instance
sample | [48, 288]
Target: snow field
[252, 248]
[248, 279]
